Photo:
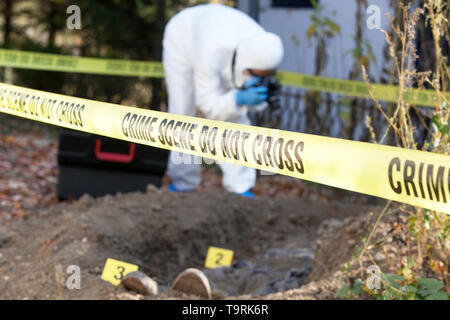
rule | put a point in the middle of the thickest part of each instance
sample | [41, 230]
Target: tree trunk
[7, 27]
[51, 25]
[157, 53]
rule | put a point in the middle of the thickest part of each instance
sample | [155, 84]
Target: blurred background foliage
[122, 29]
[133, 29]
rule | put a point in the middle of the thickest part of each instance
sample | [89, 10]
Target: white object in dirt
[193, 281]
[139, 282]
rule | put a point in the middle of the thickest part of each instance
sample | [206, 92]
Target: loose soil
[164, 233]
[292, 242]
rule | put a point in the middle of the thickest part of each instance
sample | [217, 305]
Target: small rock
[100, 236]
[240, 264]
[5, 236]
[84, 240]
[29, 203]
[218, 294]
[156, 208]
[328, 225]
[152, 189]
[302, 253]
[97, 270]
[128, 296]
[379, 256]
[295, 278]
[86, 200]
[260, 269]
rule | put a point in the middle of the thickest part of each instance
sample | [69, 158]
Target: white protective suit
[198, 48]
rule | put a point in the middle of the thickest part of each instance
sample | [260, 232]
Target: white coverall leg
[183, 169]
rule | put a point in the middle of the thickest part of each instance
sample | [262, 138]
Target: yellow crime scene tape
[381, 92]
[66, 63]
[413, 177]
[58, 62]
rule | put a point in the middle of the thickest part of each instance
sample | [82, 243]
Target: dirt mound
[164, 233]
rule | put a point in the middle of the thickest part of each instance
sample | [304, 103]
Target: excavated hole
[164, 233]
[273, 241]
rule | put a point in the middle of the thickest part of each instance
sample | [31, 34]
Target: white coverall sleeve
[209, 95]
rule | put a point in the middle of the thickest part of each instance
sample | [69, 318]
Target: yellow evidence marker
[218, 257]
[115, 270]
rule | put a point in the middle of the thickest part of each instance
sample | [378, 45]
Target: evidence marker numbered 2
[218, 257]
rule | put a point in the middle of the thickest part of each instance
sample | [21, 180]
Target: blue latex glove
[253, 95]
[251, 82]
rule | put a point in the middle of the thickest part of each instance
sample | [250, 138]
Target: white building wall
[295, 21]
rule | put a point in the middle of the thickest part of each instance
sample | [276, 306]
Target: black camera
[273, 91]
